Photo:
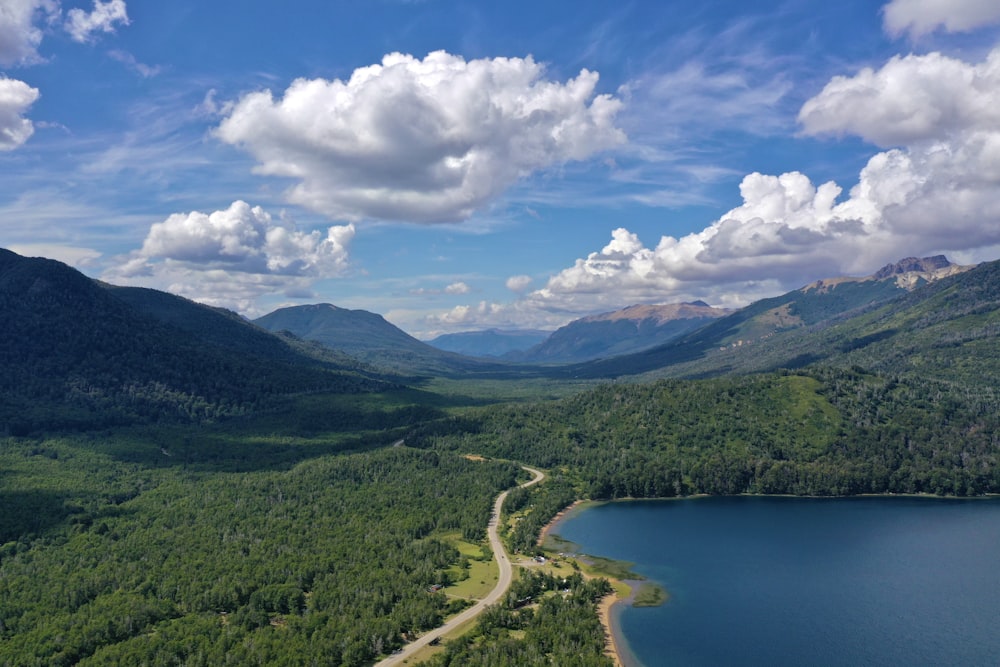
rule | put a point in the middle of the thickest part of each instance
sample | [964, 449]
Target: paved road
[503, 583]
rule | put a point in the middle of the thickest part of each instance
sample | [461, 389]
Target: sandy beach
[604, 610]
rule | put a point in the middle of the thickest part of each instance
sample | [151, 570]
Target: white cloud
[234, 255]
[127, 59]
[911, 99]
[458, 287]
[933, 191]
[937, 193]
[429, 140]
[921, 17]
[519, 284]
[19, 36]
[464, 316]
[81, 26]
[15, 99]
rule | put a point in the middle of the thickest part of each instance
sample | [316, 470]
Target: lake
[805, 581]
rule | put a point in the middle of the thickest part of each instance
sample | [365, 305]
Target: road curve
[503, 583]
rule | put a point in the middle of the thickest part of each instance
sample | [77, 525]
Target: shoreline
[612, 649]
[554, 521]
[614, 640]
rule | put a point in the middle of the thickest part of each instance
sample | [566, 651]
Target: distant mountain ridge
[618, 332]
[489, 343]
[370, 338]
[783, 331]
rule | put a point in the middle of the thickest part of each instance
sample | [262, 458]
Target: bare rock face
[913, 265]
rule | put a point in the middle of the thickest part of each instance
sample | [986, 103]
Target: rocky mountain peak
[913, 265]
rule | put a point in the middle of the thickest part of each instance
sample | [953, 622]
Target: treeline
[817, 432]
[544, 620]
[327, 563]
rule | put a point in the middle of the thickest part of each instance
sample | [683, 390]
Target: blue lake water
[796, 581]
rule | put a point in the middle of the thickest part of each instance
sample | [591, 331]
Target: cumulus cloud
[785, 228]
[429, 140]
[921, 17]
[15, 99]
[19, 36]
[911, 99]
[939, 186]
[82, 25]
[463, 316]
[236, 253]
[519, 284]
[934, 191]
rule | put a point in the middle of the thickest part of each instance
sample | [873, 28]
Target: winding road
[503, 583]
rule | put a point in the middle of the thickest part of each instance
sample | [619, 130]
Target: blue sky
[458, 166]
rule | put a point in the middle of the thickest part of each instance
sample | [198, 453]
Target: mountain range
[625, 331]
[803, 326]
[489, 343]
[81, 353]
[370, 338]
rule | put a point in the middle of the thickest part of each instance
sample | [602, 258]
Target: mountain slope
[620, 332]
[76, 355]
[783, 331]
[370, 338]
[226, 329]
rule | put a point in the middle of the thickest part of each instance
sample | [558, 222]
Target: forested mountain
[784, 331]
[368, 337]
[489, 343]
[74, 354]
[226, 329]
[620, 332]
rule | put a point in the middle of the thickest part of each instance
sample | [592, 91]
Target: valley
[182, 485]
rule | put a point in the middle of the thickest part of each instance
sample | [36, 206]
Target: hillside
[489, 343]
[370, 338]
[786, 331]
[76, 355]
[620, 332]
[228, 330]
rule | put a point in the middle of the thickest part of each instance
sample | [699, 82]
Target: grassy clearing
[481, 580]
[481, 575]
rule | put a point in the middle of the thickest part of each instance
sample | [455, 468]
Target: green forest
[817, 432]
[328, 562]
